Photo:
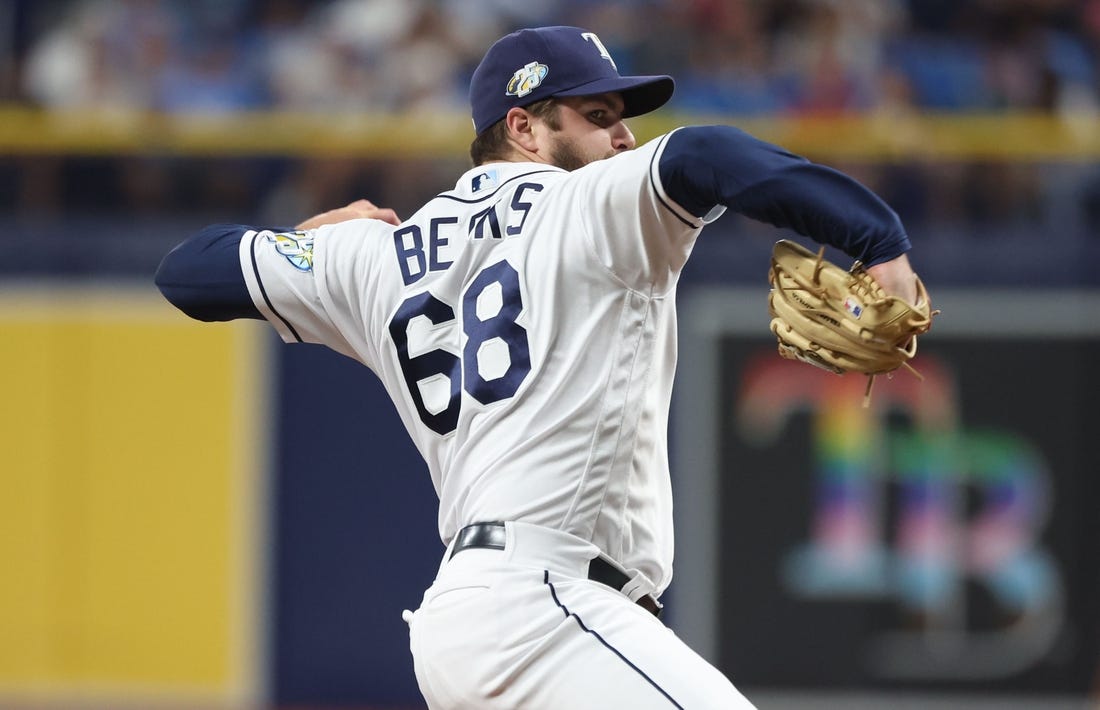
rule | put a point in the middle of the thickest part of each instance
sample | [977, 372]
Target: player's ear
[520, 124]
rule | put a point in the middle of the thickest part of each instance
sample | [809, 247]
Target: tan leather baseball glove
[841, 321]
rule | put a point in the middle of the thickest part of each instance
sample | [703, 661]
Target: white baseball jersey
[524, 324]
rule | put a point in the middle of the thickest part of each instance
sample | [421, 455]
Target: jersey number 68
[483, 331]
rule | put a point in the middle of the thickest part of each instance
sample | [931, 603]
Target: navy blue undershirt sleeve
[705, 166]
[202, 276]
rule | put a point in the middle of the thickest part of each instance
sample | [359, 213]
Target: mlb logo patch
[484, 181]
[853, 306]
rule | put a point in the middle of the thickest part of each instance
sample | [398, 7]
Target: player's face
[591, 128]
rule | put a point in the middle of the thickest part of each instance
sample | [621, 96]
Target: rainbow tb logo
[912, 507]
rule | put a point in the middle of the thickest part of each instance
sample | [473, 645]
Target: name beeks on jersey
[417, 259]
[495, 359]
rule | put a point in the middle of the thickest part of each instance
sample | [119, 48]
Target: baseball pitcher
[524, 324]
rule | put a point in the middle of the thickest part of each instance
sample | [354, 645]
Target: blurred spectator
[891, 59]
[106, 54]
[740, 56]
[730, 67]
[369, 55]
[208, 78]
[833, 50]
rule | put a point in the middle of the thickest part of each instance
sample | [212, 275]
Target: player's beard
[567, 155]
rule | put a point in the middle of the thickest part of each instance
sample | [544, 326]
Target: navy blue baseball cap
[534, 64]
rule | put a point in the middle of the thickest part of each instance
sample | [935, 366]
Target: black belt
[491, 536]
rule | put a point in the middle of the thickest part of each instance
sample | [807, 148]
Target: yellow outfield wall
[129, 489]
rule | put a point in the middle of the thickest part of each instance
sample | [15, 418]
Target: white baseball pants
[525, 628]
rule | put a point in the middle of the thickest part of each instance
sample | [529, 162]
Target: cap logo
[591, 37]
[527, 79]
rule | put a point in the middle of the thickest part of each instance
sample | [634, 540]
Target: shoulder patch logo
[527, 79]
[297, 247]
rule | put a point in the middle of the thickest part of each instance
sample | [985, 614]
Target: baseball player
[524, 324]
